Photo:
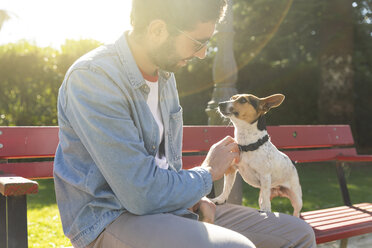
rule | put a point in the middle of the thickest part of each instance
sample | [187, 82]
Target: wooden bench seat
[27, 153]
[340, 222]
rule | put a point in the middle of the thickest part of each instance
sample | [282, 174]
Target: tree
[30, 77]
[336, 63]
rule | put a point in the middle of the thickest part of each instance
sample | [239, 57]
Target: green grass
[319, 185]
[44, 222]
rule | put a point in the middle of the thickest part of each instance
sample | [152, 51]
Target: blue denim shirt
[105, 160]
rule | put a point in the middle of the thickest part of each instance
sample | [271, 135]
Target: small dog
[261, 164]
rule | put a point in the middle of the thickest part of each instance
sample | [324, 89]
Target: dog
[261, 164]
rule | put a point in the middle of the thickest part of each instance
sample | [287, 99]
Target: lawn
[44, 223]
[319, 185]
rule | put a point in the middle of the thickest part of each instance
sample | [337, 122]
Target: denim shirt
[105, 161]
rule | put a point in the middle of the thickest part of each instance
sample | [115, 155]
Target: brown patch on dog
[230, 170]
[269, 102]
[246, 111]
[248, 107]
[279, 191]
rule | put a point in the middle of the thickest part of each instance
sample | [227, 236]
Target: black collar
[254, 146]
[261, 123]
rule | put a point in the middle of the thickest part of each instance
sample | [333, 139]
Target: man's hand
[207, 210]
[220, 156]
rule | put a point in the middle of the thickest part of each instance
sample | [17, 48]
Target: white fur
[266, 168]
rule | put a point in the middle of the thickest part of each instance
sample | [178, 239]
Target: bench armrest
[13, 186]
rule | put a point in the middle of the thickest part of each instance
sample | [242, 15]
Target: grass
[44, 222]
[319, 185]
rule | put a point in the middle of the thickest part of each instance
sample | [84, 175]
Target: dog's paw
[219, 201]
[265, 209]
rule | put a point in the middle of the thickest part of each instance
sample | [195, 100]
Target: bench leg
[343, 243]
[342, 183]
[2, 221]
[13, 222]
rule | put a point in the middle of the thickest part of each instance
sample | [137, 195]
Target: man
[118, 175]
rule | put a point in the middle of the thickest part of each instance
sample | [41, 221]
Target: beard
[165, 56]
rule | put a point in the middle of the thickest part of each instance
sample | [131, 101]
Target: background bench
[27, 153]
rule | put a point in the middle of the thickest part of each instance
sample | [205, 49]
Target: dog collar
[254, 146]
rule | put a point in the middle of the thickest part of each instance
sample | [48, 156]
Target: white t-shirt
[153, 103]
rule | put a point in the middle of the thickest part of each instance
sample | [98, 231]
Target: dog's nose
[222, 105]
[223, 108]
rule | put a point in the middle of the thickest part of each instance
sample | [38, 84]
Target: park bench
[26, 153]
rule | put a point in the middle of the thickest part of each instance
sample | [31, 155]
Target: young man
[118, 175]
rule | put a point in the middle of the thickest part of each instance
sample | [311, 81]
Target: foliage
[30, 77]
[29, 85]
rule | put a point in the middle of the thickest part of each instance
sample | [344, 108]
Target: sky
[51, 22]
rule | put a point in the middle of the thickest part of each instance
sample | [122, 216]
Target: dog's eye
[242, 100]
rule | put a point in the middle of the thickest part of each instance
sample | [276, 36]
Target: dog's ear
[269, 102]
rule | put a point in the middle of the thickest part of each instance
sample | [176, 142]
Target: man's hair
[183, 14]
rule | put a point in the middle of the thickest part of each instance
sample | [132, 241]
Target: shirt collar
[129, 64]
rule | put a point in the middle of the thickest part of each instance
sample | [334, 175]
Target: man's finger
[233, 147]
[227, 140]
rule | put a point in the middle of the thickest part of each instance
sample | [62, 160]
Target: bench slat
[189, 162]
[344, 210]
[304, 156]
[298, 156]
[335, 220]
[302, 136]
[31, 170]
[35, 170]
[42, 141]
[360, 206]
[200, 138]
[340, 222]
[355, 158]
[28, 142]
[342, 233]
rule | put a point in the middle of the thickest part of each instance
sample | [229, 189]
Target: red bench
[27, 152]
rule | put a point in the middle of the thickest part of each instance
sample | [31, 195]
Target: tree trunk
[335, 101]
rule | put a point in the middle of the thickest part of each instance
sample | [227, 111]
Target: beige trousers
[235, 226]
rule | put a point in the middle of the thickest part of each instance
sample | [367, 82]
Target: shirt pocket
[175, 136]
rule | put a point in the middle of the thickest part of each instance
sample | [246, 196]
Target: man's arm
[99, 113]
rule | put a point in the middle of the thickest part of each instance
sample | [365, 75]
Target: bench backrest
[28, 151]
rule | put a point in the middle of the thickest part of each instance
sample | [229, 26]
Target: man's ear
[157, 31]
[269, 102]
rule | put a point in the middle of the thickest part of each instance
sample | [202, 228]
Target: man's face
[176, 51]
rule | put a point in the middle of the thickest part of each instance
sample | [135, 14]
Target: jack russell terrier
[261, 164]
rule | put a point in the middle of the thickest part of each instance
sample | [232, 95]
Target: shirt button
[146, 88]
[153, 147]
